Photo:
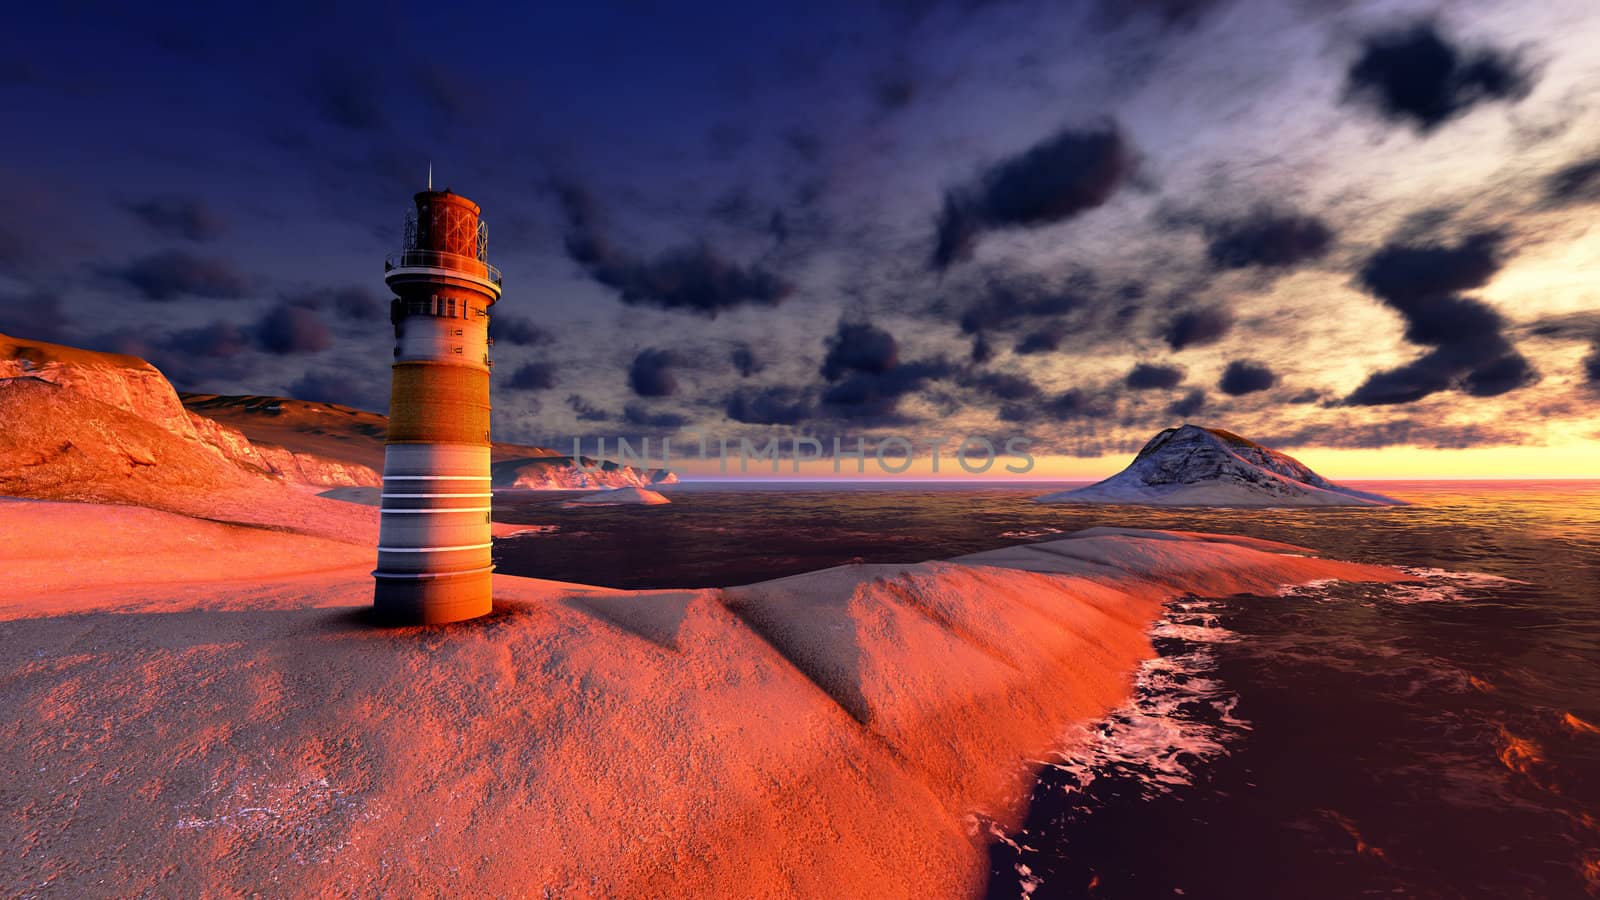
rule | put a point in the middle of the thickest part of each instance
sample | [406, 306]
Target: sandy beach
[193, 706]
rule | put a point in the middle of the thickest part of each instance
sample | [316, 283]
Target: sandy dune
[243, 729]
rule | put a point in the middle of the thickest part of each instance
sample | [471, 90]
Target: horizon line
[864, 480]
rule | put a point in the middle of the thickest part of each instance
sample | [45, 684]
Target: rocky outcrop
[559, 473]
[138, 389]
[1195, 466]
[59, 444]
[126, 382]
[308, 468]
[322, 431]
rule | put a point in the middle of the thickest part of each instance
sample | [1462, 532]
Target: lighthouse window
[452, 307]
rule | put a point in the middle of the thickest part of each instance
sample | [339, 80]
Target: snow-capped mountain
[1195, 466]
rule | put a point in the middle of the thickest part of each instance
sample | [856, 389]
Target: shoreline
[824, 732]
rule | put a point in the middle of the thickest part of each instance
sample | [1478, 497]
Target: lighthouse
[434, 561]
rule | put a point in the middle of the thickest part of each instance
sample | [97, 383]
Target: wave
[1179, 715]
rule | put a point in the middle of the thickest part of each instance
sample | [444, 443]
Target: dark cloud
[1591, 363]
[744, 360]
[356, 303]
[535, 376]
[1071, 404]
[1009, 302]
[1408, 432]
[179, 217]
[1197, 327]
[778, 226]
[219, 340]
[774, 405]
[650, 375]
[518, 330]
[173, 274]
[36, 315]
[1188, 404]
[1041, 340]
[1149, 376]
[982, 350]
[876, 395]
[1405, 384]
[1056, 179]
[353, 302]
[1501, 374]
[286, 329]
[324, 386]
[1402, 273]
[192, 358]
[636, 415]
[1470, 351]
[1418, 76]
[1483, 368]
[1245, 376]
[587, 412]
[1577, 326]
[694, 279]
[859, 347]
[1269, 239]
[1001, 385]
[1574, 184]
[1039, 314]
[1178, 14]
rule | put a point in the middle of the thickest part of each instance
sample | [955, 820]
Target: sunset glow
[925, 449]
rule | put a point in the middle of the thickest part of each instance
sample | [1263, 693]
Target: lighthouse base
[432, 599]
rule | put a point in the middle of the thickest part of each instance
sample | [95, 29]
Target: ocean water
[1439, 739]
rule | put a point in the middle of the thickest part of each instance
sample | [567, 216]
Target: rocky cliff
[1195, 466]
[126, 382]
[102, 401]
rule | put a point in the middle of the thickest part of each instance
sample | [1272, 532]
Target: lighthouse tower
[434, 562]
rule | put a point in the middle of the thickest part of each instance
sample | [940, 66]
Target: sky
[1361, 232]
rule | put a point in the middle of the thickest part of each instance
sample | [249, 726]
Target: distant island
[1196, 466]
[623, 496]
